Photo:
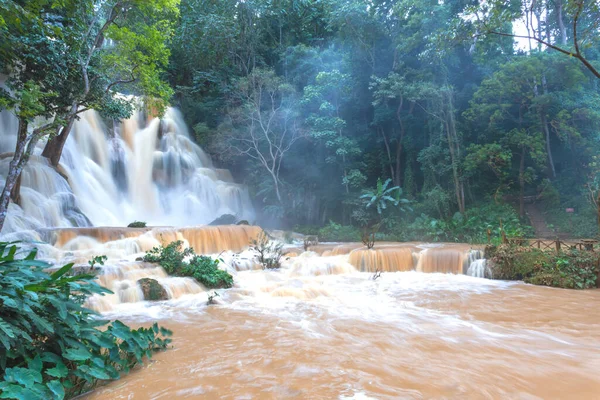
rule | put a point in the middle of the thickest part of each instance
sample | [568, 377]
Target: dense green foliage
[52, 347]
[477, 225]
[205, 270]
[454, 113]
[570, 269]
[59, 58]
[311, 102]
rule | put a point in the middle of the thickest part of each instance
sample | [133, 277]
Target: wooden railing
[557, 245]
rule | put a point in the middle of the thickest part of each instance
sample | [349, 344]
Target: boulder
[225, 219]
[152, 290]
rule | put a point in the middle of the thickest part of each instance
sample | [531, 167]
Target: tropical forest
[277, 199]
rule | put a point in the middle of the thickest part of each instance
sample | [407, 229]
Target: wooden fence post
[598, 272]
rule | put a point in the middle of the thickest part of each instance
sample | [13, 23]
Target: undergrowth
[52, 347]
[268, 253]
[571, 269]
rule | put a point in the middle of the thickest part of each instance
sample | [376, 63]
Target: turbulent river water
[321, 327]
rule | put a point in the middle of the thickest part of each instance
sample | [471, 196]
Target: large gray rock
[152, 290]
[225, 219]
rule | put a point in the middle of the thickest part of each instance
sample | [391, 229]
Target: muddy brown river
[406, 335]
[430, 327]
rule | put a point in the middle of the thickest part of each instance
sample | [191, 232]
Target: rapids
[320, 328]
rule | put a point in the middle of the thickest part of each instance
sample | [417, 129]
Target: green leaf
[31, 256]
[24, 376]
[78, 354]
[60, 371]
[12, 391]
[57, 389]
[35, 364]
[63, 270]
[7, 328]
[98, 372]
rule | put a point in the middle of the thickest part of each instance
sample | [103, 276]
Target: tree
[396, 90]
[374, 204]
[262, 123]
[59, 65]
[138, 31]
[492, 17]
[324, 102]
[439, 104]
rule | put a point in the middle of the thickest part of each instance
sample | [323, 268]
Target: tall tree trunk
[276, 184]
[54, 147]
[25, 145]
[398, 181]
[561, 22]
[400, 144]
[546, 131]
[14, 170]
[522, 184]
[15, 194]
[389, 153]
[454, 148]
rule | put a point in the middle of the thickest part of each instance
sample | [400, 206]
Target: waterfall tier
[151, 172]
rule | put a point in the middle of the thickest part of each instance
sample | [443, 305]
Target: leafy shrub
[516, 263]
[268, 253]
[204, 269]
[52, 347]
[549, 195]
[137, 224]
[307, 229]
[339, 233]
[472, 227]
[572, 269]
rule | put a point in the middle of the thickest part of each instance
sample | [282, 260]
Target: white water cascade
[479, 269]
[138, 170]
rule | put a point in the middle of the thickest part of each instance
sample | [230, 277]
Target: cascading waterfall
[298, 277]
[151, 172]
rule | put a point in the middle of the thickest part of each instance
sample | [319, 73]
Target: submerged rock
[152, 290]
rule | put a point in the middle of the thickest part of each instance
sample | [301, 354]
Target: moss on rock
[152, 290]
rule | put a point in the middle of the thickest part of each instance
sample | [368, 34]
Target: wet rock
[137, 224]
[225, 219]
[152, 290]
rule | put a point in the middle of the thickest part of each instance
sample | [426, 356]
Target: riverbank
[569, 268]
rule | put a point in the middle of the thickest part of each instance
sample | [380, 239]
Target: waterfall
[150, 172]
[479, 269]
